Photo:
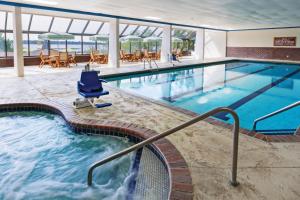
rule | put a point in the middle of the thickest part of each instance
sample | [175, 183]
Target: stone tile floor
[266, 170]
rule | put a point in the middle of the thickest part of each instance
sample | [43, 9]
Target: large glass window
[2, 45]
[140, 30]
[158, 32]
[121, 28]
[77, 26]
[60, 25]
[88, 45]
[25, 45]
[36, 45]
[10, 44]
[105, 29]
[59, 45]
[2, 20]
[93, 27]
[75, 45]
[130, 29]
[148, 32]
[25, 21]
[40, 23]
[9, 25]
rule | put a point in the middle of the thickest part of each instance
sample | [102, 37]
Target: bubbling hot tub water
[42, 158]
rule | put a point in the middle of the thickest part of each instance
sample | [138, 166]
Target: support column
[114, 44]
[18, 42]
[199, 44]
[166, 45]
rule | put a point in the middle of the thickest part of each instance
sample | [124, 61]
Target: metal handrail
[275, 113]
[173, 130]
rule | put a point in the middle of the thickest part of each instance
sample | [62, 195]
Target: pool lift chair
[90, 87]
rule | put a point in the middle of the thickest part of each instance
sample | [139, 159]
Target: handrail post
[152, 139]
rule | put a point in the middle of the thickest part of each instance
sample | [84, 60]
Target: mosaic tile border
[181, 187]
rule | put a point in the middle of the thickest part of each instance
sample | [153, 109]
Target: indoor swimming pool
[252, 89]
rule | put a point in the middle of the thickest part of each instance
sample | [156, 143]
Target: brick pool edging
[251, 133]
[181, 187]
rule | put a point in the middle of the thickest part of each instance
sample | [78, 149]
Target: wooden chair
[94, 58]
[63, 59]
[137, 56]
[125, 57]
[157, 57]
[45, 60]
[179, 53]
[72, 59]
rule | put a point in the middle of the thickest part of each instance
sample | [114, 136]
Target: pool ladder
[152, 139]
[149, 61]
[281, 110]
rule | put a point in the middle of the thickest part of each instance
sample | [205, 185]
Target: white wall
[260, 38]
[215, 44]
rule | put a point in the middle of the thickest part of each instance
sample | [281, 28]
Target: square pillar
[199, 44]
[166, 45]
[114, 44]
[18, 42]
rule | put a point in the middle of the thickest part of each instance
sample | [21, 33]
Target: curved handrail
[275, 113]
[175, 129]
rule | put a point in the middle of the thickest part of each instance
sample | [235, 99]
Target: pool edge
[181, 186]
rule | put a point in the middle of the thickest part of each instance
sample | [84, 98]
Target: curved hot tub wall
[180, 179]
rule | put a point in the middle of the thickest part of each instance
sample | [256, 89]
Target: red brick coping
[181, 187]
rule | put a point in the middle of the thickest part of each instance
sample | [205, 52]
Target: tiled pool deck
[266, 170]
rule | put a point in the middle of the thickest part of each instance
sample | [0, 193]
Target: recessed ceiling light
[152, 18]
[42, 2]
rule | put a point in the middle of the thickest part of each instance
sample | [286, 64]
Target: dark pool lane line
[239, 103]
[172, 99]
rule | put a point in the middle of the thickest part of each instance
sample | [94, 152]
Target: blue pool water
[251, 89]
[41, 158]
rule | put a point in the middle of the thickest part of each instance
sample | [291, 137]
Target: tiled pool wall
[180, 178]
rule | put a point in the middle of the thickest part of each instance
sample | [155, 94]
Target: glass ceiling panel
[77, 26]
[130, 29]
[104, 29]
[60, 24]
[25, 21]
[122, 27]
[9, 25]
[93, 27]
[2, 20]
[140, 30]
[158, 32]
[40, 23]
[149, 31]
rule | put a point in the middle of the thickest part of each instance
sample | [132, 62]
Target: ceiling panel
[226, 14]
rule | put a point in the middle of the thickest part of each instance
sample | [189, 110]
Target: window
[59, 45]
[102, 47]
[36, 45]
[88, 45]
[75, 45]
[140, 30]
[40, 23]
[2, 20]
[158, 32]
[105, 29]
[130, 29]
[25, 21]
[77, 26]
[60, 25]
[2, 45]
[93, 27]
[148, 32]
[10, 44]
[25, 44]
[9, 25]
[121, 28]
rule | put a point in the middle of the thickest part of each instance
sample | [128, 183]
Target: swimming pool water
[251, 89]
[42, 158]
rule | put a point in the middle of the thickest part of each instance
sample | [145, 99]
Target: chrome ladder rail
[152, 139]
[274, 113]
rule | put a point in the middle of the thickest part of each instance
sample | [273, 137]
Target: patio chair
[137, 56]
[72, 59]
[63, 59]
[94, 57]
[45, 60]
[125, 57]
[90, 87]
